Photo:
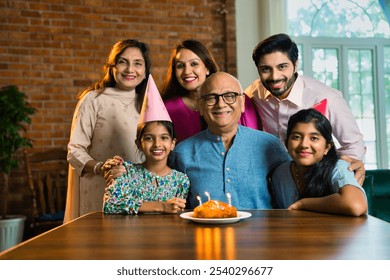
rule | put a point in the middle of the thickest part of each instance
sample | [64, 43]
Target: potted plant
[14, 114]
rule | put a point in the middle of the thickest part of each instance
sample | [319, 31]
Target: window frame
[376, 45]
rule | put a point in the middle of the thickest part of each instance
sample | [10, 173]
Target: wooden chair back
[47, 173]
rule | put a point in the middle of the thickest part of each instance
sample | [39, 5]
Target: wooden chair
[47, 174]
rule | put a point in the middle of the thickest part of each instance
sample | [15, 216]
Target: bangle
[96, 166]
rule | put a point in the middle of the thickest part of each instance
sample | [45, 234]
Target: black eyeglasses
[213, 98]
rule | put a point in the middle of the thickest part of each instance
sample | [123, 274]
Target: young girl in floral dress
[151, 186]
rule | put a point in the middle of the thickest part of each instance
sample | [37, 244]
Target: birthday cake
[215, 209]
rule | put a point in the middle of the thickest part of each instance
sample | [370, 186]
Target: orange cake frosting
[215, 209]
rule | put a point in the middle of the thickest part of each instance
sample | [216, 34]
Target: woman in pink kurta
[104, 124]
[186, 122]
[190, 64]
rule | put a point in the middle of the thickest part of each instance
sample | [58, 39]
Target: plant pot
[11, 231]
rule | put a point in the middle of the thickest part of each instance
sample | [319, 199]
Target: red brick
[52, 51]
[31, 13]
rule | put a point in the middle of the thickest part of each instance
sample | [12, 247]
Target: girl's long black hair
[318, 179]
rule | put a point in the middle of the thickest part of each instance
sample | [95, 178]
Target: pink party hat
[153, 108]
[322, 107]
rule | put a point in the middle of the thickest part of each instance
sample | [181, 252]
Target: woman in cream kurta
[104, 124]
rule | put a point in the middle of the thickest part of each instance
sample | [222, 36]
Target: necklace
[193, 107]
[189, 102]
[126, 105]
[300, 183]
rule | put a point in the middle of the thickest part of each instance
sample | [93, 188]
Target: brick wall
[53, 49]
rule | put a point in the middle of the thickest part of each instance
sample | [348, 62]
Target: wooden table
[268, 234]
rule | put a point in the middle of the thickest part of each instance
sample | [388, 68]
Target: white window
[345, 44]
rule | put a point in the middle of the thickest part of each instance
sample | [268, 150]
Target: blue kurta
[242, 171]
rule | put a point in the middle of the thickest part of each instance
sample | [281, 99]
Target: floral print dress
[127, 193]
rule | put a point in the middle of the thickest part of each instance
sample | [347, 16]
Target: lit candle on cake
[229, 197]
[207, 194]
[199, 199]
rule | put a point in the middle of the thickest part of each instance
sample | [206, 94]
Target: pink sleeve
[250, 117]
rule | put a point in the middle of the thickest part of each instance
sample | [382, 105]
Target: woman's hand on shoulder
[115, 161]
[113, 169]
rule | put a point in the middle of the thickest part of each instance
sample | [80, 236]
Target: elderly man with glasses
[228, 157]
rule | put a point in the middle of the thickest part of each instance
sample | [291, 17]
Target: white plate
[240, 215]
